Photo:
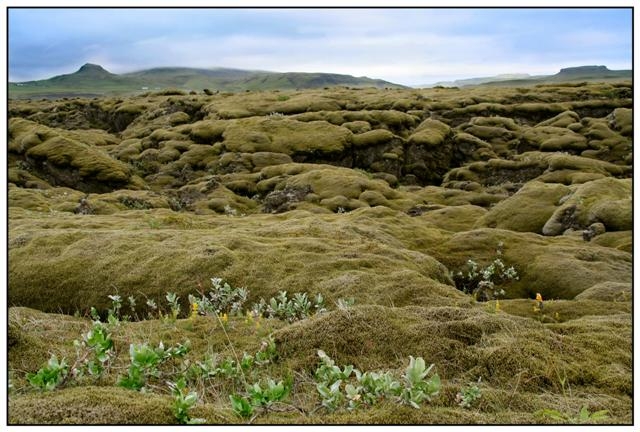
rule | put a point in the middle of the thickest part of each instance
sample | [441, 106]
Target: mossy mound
[526, 210]
[622, 240]
[554, 138]
[455, 218]
[429, 152]
[562, 120]
[59, 158]
[558, 268]
[91, 405]
[67, 269]
[607, 292]
[282, 135]
[553, 167]
[621, 119]
[606, 200]
[323, 192]
[464, 343]
[430, 133]
[45, 200]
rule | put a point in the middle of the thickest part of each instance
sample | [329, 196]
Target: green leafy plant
[353, 395]
[267, 352]
[172, 300]
[96, 341]
[207, 368]
[49, 376]
[331, 396]
[264, 395]
[377, 386]
[241, 406]
[468, 395]
[328, 372]
[417, 387]
[114, 311]
[145, 361]
[222, 299]
[183, 401]
[485, 283]
[289, 309]
[371, 387]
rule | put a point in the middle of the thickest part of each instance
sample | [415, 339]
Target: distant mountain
[571, 74]
[93, 79]
[590, 72]
[478, 81]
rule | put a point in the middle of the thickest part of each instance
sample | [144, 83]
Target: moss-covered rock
[65, 162]
[303, 139]
[606, 200]
[527, 210]
[455, 218]
[607, 292]
[91, 405]
[559, 268]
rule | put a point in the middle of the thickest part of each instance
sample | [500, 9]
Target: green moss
[91, 405]
[265, 159]
[374, 198]
[558, 268]
[160, 135]
[131, 108]
[496, 121]
[554, 138]
[607, 292]
[622, 240]
[490, 133]
[526, 210]
[357, 127]
[622, 121]
[197, 214]
[208, 131]
[127, 149]
[285, 136]
[562, 120]
[605, 200]
[25, 179]
[329, 182]
[199, 156]
[455, 218]
[45, 200]
[430, 133]
[372, 138]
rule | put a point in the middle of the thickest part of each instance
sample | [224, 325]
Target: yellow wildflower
[194, 310]
[225, 318]
[539, 297]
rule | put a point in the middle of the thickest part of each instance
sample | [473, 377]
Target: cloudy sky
[406, 46]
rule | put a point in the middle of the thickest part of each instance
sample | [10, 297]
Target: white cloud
[399, 45]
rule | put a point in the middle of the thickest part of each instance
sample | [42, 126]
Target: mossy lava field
[294, 256]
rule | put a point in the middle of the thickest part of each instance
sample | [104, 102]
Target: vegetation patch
[334, 255]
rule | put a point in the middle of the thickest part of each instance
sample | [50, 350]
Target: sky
[404, 46]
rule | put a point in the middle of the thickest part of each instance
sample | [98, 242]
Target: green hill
[572, 74]
[94, 80]
[566, 75]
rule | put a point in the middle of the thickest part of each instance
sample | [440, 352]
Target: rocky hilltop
[381, 201]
